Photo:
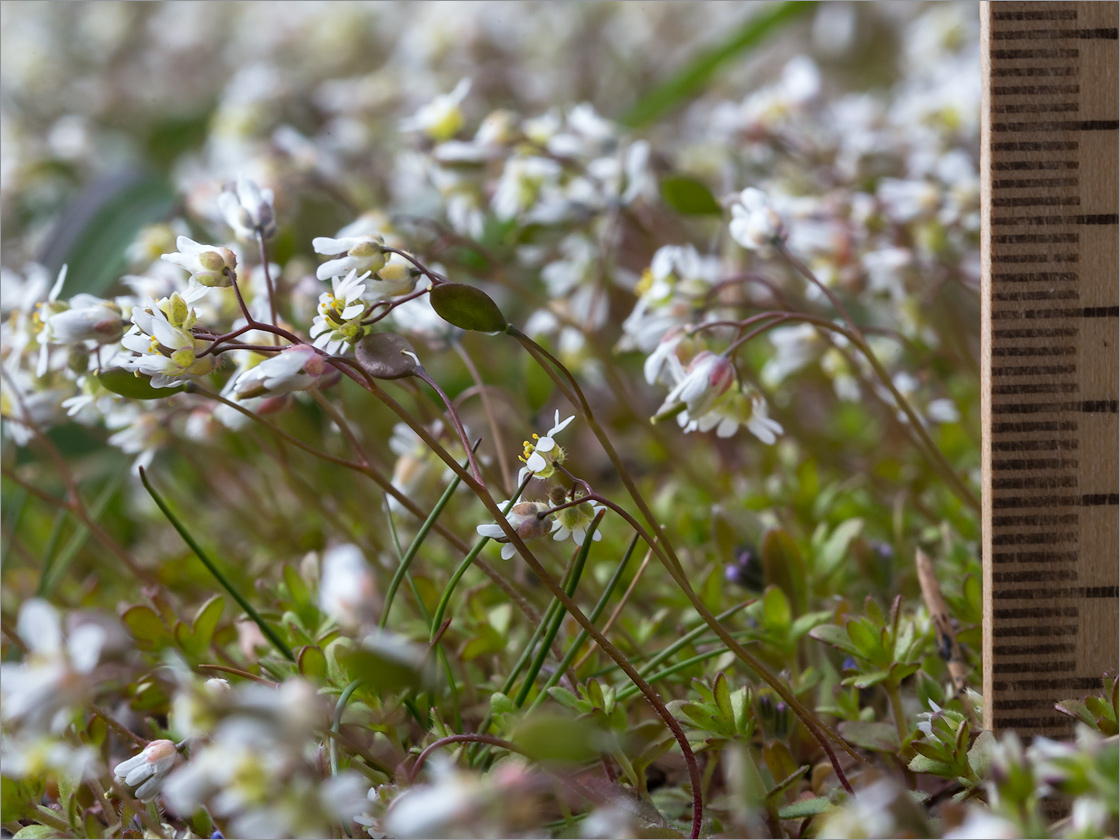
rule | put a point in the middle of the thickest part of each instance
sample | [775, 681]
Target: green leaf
[689, 196]
[145, 626]
[783, 565]
[97, 227]
[835, 549]
[132, 385]
[547, 736]
[805, 808]
[312, 663]
[870, 734]
[867, 680]
[776, 606]
[467, 308]
[722, 695]
[35, 832]
[835, 636]
[923, 764]
[387, 355]
[564, 697]
[694, 76]
[18, 797]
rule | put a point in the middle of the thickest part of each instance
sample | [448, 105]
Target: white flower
[707, 379]
[209, 265]
[441, 118]
[352, 253]
[87, 318]
[248, 209]
[40, 691]
[796, 347]
[521, 184]
[396, 277]
[540, 458]
[161, 335]
[659, 358]
[295, 369]
[149, 767]
[347, 587]
[340, 310]
[574, 521]
[754, 222]
[524, 517]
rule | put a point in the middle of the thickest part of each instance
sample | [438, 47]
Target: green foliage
[467, 308]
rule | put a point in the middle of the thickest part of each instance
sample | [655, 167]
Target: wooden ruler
[1049, 159]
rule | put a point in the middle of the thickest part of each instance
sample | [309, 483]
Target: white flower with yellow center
[340, 313]
[542, 454]
[574, 521]
[441, 118]
[167, 349]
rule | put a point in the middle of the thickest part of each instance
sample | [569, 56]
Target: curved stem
[336, 722]
[488, 410]
[535, 566]
[669, 559]
[465, 738]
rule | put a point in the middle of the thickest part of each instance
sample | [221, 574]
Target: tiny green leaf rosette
[467, 308]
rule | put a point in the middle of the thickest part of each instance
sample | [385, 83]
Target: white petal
[545, 444]
[536, 463]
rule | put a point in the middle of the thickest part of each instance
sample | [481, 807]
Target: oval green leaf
[467, 308]
[135, 387]
[689, 197]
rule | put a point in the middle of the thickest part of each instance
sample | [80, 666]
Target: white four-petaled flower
[542, 454]
[340, 310]
[525, 518]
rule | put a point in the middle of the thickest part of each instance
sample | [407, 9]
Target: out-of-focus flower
[542, 454]
[295, 369]
[209, 265]
[525, 518]
[86, 318]
[351, 253]
[40, 692]
[754, 222]
[248, 209]
[441, 118]
[707, 378]
[498, 804]
[795, 347]
[148, 768]
[338, 323]
[347, 588]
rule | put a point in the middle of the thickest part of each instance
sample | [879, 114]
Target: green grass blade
[212, 567]
[461, 569]
[691, 79]
[601, 605]
[554, 626]
[406, 561]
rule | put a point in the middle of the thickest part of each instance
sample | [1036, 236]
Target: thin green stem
[535, 566]
[336, 722]
[414, 547]
[669, 559]
[596, 612]
[212, 567]
[461, 569]
[570, 588]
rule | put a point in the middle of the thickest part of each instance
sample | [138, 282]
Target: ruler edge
[986, 359]
[986, 8]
